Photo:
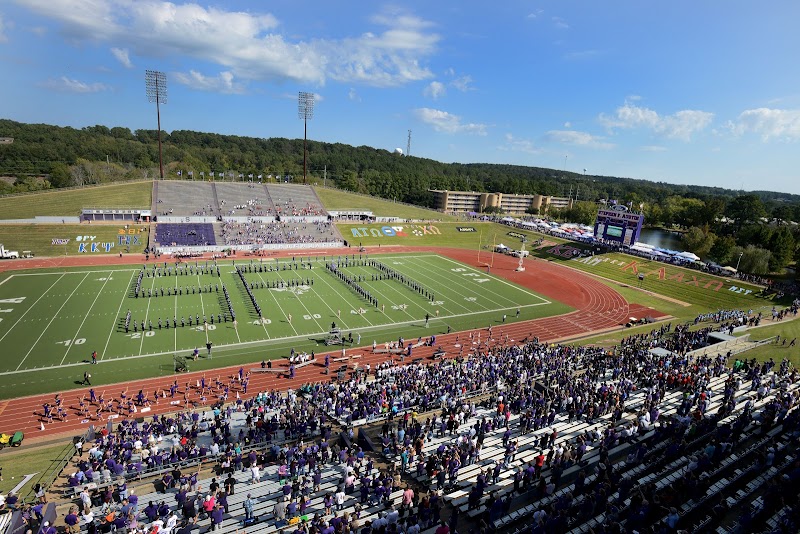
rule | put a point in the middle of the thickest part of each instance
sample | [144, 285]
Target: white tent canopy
[689, 256]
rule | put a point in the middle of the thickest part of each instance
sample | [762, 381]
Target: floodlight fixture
[305, 110]
[155, 83]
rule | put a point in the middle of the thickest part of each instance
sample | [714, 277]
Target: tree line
[716, 220]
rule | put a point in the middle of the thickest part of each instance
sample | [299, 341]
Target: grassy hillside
[38, 238]
[334, 199]
[61, 203]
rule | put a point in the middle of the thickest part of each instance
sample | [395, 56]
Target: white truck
[8, 254]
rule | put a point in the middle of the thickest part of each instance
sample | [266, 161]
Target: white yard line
[477, 290]
[32, 306]
[175, 313]
[9, 278]
[405, 310]
[88, 312]
[258, 344]
[263, 324]
[282, 312]
[516, 287]
[299, 300]
[202, 306]
[75, 272]
[322, 278]
[467, 308]
[51, 322]
[114, 324]
[146, 315]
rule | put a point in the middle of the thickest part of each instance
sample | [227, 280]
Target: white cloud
[71, 85]
[579, 55]
[560, 23]
[567, 124]
[572, 137]
[123, 57]
[782, 124]
[462, 83]
[520, 145]
[222, 83]
[535, 14]
[249, 45]
[653, 148]
[353, 95]
[3, 36]
[680, 125]
[435, 90]
[442, 121]
[293, 96]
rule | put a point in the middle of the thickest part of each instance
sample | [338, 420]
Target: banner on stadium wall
[417, 230]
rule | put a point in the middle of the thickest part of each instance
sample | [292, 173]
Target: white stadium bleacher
[244, 215]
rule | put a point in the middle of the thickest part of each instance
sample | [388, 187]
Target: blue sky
[685, 92]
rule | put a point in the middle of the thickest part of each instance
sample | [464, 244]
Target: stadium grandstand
[214, 217]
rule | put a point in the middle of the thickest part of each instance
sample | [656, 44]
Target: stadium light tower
[305, 110]
[155, 83]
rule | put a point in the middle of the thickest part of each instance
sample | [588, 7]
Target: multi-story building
[472, 201]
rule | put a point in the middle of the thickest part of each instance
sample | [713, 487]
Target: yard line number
[474, 276]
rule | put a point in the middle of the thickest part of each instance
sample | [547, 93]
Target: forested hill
[69, 156]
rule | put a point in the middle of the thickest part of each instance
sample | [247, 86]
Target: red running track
[597, 307]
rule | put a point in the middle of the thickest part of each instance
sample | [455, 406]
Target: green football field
[52, 319]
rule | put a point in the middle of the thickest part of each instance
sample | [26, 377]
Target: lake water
[661, 238]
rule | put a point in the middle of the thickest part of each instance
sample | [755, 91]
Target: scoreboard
[616, 224]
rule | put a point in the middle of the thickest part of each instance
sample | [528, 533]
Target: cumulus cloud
[442, 121]
[572, 137]
[71, 85]
[434, 90]
[535, 14]
[782, 124]
[520, 145]
[123, 57]
[560, 23]
[222, 83]
[250, 45]
[462, 83]
[680, 125]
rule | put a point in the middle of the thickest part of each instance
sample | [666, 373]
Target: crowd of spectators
[530, 385]
[293, 434]
[254, 207]
[250, 233]
[295, 209]
[601, 390]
